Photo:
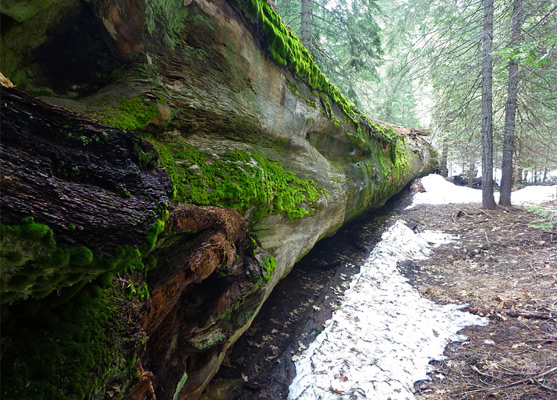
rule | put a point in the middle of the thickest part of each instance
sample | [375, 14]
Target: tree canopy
[418, 63]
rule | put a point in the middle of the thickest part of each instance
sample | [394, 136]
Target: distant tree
[343, 37]
[488, 200]
[305, 24]
[510, 110]
[450, 56]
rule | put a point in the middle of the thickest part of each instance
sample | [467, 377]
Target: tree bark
[305, 24]
[93, 185]
[443, 170]
[510, 111]
[488, 201]
[471, 174]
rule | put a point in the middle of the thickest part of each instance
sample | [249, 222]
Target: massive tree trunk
[266, 157]
[510, 111]
[488, 201]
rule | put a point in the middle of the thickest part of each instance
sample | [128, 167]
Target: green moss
[133, 114]
[34, 19]
[268, 267]
[238, 180]
[32, 265]
[287, 50]
[385, 170]
[23, 10]
[152, 235]
[209, 340]
[71, 352]
[168, 19]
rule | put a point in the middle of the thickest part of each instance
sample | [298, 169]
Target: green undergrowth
[547, 218]
[71, 352]
[166, 17]
[238, 180]
[287, 50]
[32, 265]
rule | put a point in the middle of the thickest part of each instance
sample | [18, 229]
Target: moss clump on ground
[32, 265]
[238, 180]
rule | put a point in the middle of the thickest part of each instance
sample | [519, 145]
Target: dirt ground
[502, 268]
[506, 271]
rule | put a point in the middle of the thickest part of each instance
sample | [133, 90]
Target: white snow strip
[440, 191]
[381, 339]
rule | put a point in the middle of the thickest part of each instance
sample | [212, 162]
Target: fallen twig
[529, 379]
[545, 386]
[511, 313]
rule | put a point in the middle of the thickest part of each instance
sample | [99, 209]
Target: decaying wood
[92, 184]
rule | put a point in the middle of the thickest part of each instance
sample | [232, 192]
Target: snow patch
[382, 337]
[440, 191]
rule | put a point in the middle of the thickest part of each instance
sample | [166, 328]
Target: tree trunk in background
[544, 174]
[443, 170]
[510, 112]
[305, 25]
[471, 174]
[488, 201]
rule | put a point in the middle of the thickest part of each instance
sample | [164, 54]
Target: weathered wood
[92, 184]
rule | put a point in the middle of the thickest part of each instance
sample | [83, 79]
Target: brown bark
[471, 174]
[205, 288]
[510, 112]
[519, 175]
[488, 201]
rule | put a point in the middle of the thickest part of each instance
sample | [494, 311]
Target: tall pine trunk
[488, 201]
[510, 112]
[305, 24]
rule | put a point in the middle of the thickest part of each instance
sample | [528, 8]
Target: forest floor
[506, 271]
[502, 268]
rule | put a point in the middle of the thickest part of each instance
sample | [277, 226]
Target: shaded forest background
[418, 63]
